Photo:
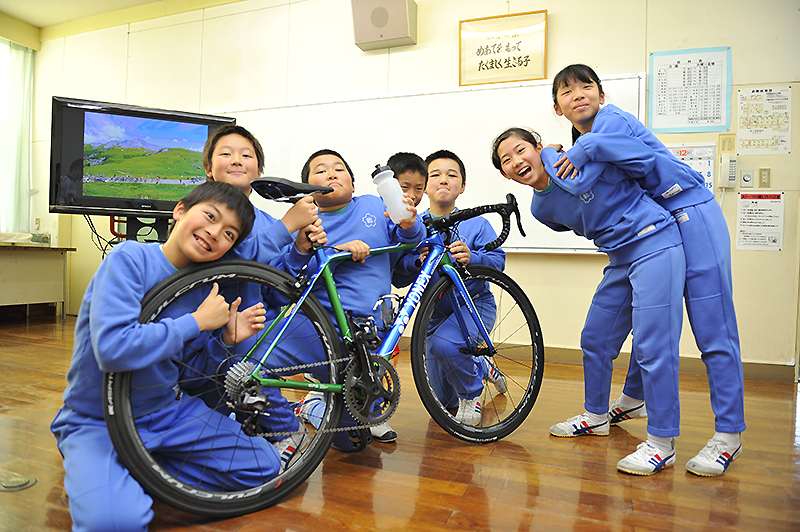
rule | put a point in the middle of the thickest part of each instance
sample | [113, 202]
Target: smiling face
[521, 161]
[579, 102]
[330, 171]
[445, 184]
[413, 184]
[234, 161]
[203, 233]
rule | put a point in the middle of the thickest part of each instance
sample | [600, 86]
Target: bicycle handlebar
[505, 210]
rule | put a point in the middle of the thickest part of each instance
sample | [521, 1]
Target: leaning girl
[641, 287]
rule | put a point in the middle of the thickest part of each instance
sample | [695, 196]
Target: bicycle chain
[295, 369]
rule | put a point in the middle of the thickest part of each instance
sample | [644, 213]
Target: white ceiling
[43, 13]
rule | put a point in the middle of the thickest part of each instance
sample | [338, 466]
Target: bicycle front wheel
[187, 471]
[451, 362]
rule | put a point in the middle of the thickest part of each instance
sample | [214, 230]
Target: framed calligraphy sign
[503, 48]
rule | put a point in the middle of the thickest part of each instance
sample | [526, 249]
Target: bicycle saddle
[280, 189]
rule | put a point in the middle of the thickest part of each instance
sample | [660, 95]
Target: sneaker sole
[705, 474]
[578, 435]
[643, 473]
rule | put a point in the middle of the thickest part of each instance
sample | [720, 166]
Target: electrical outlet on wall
[764, 178]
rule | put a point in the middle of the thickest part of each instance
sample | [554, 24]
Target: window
[16, 66]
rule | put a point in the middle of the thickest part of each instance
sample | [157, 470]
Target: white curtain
[16, 94]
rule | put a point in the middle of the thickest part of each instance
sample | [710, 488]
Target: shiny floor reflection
[428, 480]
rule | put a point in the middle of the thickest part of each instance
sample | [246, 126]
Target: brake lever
[512, 203]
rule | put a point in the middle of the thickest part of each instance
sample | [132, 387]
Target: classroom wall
[254, 54]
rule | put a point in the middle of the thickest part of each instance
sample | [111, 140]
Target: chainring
[368, 403]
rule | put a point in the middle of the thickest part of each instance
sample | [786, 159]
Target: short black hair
[577, 72]
[447, 154]
[527, 135]
[304, 173]
[404, 161]
[228, 195]
[231, 129]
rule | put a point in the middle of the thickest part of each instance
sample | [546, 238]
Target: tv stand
[147, 229]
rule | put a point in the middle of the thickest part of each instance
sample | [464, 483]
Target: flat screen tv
[122, 160]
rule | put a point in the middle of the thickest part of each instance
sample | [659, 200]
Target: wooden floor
[430, 481]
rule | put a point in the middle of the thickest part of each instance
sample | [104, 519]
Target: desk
[33, 273]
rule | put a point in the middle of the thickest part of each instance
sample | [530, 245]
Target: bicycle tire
[146, 467]
[517, 338]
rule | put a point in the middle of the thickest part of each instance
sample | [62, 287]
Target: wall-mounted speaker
[384, 23]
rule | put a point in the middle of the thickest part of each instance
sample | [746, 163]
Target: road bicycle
[351, 362]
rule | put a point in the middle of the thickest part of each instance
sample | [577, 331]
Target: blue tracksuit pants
[644, 296]
[709, 305]
[455, 374]
[104, 497]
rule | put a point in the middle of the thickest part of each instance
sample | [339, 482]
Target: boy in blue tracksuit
[611, 135]
[458, 377]
[103, 496]
[641, 286]
[355, 224]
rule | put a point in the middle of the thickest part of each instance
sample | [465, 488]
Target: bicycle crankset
[372, 395]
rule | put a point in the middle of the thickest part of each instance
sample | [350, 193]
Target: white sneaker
[579, 426]
[617, 414]
[647, 460]
[496, 377]
[383, 433]
[291, 447]
[469, 411]
[713, 459]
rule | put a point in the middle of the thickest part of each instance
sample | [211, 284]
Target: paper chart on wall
[690, 90]
[765, 121]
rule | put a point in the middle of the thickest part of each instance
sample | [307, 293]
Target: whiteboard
[368, 131]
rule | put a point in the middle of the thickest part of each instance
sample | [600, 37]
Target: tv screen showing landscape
[124, 160]
[143, 158]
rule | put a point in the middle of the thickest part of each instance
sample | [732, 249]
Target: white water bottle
[391, 193]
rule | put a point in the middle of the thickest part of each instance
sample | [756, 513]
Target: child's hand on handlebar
[310, 235]
[359, 249]
[460, 252]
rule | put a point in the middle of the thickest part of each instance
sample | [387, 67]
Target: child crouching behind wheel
[209, 221]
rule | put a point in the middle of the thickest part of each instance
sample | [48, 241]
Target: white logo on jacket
[369, 220]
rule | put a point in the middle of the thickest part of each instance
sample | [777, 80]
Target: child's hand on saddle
[359, 249]
[242, 325]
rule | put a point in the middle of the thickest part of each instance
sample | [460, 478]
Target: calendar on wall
[690, 90]
[701, 157]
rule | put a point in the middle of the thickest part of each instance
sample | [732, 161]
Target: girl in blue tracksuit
[641, 287]
[611, 135]
[108, 338]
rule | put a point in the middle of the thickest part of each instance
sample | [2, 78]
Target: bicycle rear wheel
[439, 369]
[189, 479]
